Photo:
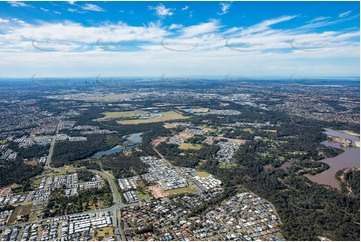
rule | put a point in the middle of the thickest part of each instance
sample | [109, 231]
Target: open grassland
[105, 232]
[111, 97]
[190, 189]
[22, 211]
[187, 146]
[115, 115]
[167, 116]
[202, 174]
[227, 165]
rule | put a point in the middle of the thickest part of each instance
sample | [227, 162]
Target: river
[348, 159]
[133, 140]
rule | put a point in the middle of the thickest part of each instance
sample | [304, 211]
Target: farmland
[166, 116]
[115, 115]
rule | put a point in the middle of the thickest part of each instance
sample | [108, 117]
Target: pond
[133, 140]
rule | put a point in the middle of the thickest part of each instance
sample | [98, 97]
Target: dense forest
[59, 204]
[17, 171]
[66, 152]
[34, 151]
[124, 166]
[350, 181]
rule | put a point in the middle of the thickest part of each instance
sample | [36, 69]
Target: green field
[202, 174]
[167, 116]
[187, 146]
[114, 115]
[143, 195]
[248, 130]
[190, 189]
[35, 182]
[227, 165]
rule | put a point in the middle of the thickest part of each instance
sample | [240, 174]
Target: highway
[51, 150]
[118, 205]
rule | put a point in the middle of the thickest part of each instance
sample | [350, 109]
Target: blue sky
[77, 39]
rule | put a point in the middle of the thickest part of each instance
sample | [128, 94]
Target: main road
[118, 205]
[53, 140]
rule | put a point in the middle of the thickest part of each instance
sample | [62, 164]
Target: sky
[180, 39]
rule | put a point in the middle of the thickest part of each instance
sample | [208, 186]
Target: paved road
[176, 168]
[118, 204]
[51, 150]
[116, 208]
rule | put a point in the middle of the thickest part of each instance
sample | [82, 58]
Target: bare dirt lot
[157, 191]
[158, 140]
[5, 190]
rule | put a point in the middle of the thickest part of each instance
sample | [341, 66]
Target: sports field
[202, 174]
[188, 146]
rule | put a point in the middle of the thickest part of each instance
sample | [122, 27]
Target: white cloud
[57, 12]
[224, 8]
[273, 56]
[199, 29]
[318, 24]
[71, 2]
[185, 8]
[44, 9]
[18, 4]
[161, 10]
[92, 7]
[73, 10]
[4, 21]
[341, 15]
[175, 26]
[318, 19]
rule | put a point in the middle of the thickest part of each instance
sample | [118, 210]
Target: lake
[348, 159]
[132, 141]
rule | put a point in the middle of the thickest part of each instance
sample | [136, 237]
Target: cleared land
[350, 133]
[190, 189]
[167, 116]
[111, 97]
[184, 135]
[158, 140]
[5, 190]
[188, 146]
[21, 213]
[202, 174]
[201, 110]
[105, 232]
[115, 115]
[157, 191]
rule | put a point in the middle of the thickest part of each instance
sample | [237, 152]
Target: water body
[133, 140]
[286, 165]
[348, 159]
